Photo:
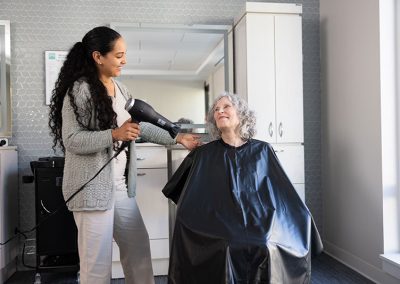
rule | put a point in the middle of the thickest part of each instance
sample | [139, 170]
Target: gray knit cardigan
[87, 151]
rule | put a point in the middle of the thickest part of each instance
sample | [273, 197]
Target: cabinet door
[240, 46]
[291, 158]
[261, 73]
[152, 203]
[289, 78]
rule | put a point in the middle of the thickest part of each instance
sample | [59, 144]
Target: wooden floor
[325, 270]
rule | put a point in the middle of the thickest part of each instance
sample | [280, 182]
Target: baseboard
[116, 270]
[357, 264]
[160, 268]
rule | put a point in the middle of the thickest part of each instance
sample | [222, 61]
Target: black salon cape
[239, 219]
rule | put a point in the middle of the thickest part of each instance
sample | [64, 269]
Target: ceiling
[181, 52]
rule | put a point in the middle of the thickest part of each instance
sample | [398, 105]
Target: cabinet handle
[140, 159]
[270, 130]
[141, 174]
[280, 129]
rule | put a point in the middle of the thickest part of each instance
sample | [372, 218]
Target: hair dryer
[141, 111]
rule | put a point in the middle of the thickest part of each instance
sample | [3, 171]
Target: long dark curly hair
[80, 65]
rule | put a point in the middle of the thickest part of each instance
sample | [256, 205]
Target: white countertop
[8, 148]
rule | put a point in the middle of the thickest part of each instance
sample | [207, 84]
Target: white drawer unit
[151, 157]
[151, 178]
[291, 158]
[292, 161]
[152, 202]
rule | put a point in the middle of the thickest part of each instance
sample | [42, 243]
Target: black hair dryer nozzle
[141, 111]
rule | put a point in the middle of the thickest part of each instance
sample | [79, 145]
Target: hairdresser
[88, 121]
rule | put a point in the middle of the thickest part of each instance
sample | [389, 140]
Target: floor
[325, 270]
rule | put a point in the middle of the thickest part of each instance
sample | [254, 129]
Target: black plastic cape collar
[239, 219]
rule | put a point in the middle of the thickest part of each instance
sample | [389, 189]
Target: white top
[8, 148]
[269, 8]
[278, 8]
[120, 161]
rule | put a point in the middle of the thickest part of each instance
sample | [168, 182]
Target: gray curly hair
[247, 118]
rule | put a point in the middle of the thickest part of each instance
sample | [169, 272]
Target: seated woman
[239, 218]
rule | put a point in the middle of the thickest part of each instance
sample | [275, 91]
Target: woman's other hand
[128, 131]
[189, 141]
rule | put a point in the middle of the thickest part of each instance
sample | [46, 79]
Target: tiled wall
[42, 25]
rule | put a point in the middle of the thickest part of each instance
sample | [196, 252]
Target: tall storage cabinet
[269, 75]
[8, 210]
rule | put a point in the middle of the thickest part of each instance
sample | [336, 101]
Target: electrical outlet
[3, 142]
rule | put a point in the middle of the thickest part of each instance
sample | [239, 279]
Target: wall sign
[54, 61]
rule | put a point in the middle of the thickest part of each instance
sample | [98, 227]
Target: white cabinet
[291, 158]
[8, 210]
[151, 178]
[269, 75]
[268, 69]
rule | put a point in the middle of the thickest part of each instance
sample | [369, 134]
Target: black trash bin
[56, 234]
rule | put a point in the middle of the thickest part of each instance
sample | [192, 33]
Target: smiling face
[110, 64]
[225, 115]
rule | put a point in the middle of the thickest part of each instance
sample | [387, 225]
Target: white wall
[219, 81]
[351, 135]
[172, 99]
[216, 82]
